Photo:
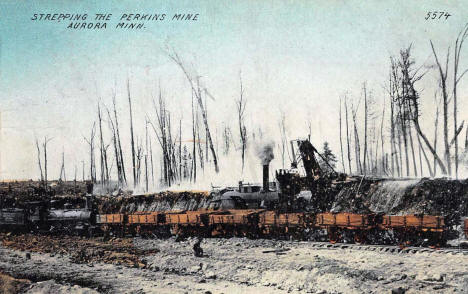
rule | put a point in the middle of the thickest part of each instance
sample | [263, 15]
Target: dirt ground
[231, 266]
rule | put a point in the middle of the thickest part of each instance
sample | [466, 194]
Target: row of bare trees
[411, 153]
[177, 162]
[384, 138]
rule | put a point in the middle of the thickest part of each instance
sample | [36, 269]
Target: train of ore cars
[246, 210]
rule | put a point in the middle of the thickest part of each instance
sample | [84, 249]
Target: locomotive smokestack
[265, 153]
[265, 178]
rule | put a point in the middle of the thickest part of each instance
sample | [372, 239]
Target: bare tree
[63, 176]
[118, 143]
[180, 149]
[392, 91]
[347, 133]
[357, 146]
[197, 91]
[241, 103]
[146, 156]
[445, 101]
[162, 136]
[226, 139]
[92, 162]
[366, 117]
[436, 128]
[200, 149]
[39, 160]
[428, 163]
[341, 142]
[410, 77]
[382, 137]
[394, 160]
[135, 182]
[44, 147]
[115, 142]
[151, 161]
[194, 155]
[458, 46]
[103, 151]
[282, 127]
[412, 150]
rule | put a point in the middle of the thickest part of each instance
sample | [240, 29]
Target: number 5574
[437, 15]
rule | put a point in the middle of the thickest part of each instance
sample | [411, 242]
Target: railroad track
[389, 248]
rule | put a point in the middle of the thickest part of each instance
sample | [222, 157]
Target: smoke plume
[265, 152]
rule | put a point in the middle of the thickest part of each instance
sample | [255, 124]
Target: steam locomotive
[49, 216]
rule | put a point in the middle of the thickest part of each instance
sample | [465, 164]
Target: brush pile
[114, 251]
[15, 193]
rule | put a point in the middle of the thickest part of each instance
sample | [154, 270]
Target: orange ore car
[423, 222]
[271, 218]
[143, 218]
[110, 218]
[343, 220]
[234, 217]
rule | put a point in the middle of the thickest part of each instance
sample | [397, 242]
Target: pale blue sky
[295, 56]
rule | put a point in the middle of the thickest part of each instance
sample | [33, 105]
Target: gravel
[238, 265]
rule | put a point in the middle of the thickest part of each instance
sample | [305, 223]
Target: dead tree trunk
[420, 158]
[118, 164]
[436, 128]
[92, 163]
[195, 85]
[200, 149]
[39, 160]
[458, 46]
[44, 146]
[119, 144]
[394, 159]
[283, 146]
[445, 102]
[382, 137]
[180, 150]
[240, 116]
[194, 154]
[431, 171]
[151, 161]
[341, 142]
[347, 135]
[412, 150]
[146, 155]
[162, 136]
[366, 114]
[402, 120]
[135, 182]
[104, 166]
[62, 168]
[357, 147]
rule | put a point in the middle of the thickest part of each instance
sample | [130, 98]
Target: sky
[294, 57]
